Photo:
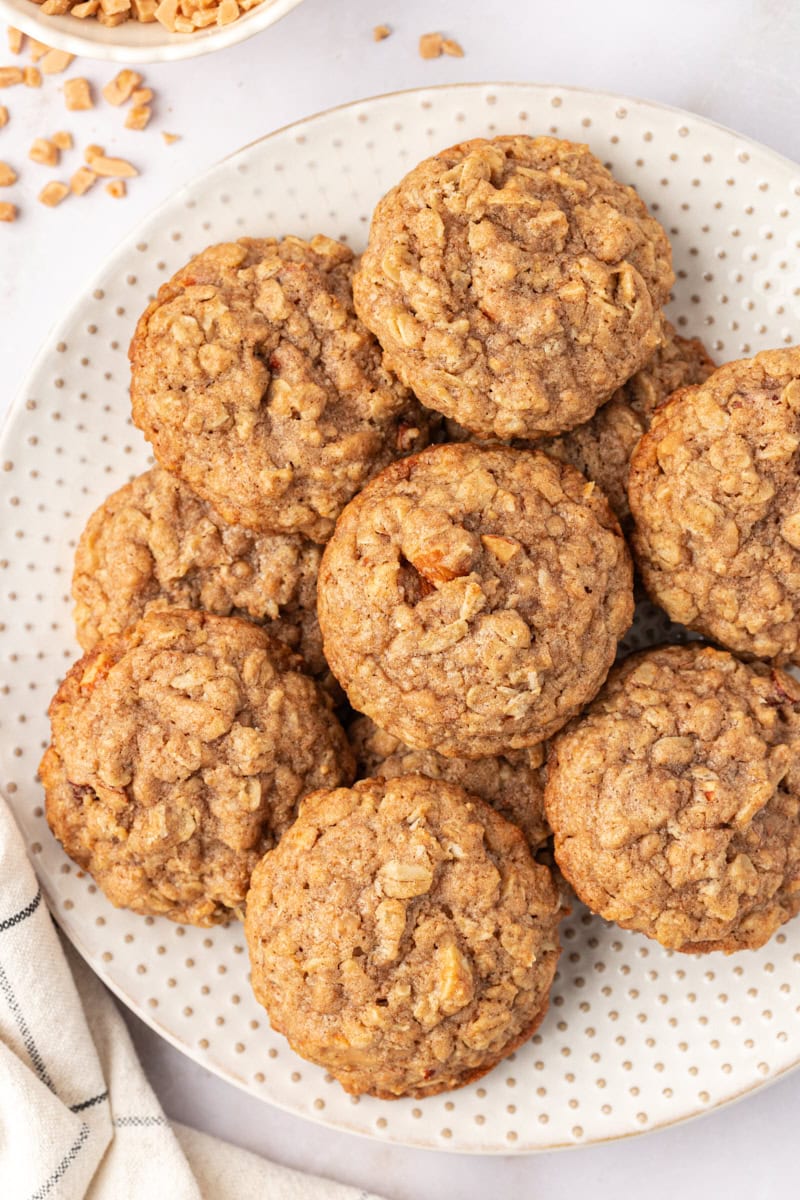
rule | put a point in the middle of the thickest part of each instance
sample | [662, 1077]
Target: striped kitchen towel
[77, 1115]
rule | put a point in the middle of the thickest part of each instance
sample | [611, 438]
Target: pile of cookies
[388, 541]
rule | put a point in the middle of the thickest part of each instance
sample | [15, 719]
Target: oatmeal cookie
[514, 284]
[471, 598]
[602, 448]
[675, 799]
[402, 937]
[255, 382]
[715, 496]
[154, 544]
[513, 784]
[180, 750]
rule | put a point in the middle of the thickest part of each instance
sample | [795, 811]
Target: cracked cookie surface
[512, 784]
[715, 497]
[514, 284]
[402, 937]
[180, 750]
[154, 544]
[255, 381]
[602, 448]
[675, 799]
[472, 597]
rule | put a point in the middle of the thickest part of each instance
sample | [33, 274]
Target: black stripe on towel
[76, 1108]
[140, 1121]
[64, 1165]
[23, 913]
[27, 1036]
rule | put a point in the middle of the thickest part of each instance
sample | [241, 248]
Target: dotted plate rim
[535, 95]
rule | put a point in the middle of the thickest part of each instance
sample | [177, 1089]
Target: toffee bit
[78, 94]
[56, 61]
[83, 179]
[431, 45]
[120, 89]
[11, 76]
[53, 193]
[44, 152]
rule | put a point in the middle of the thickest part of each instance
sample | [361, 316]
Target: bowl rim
[57, 32]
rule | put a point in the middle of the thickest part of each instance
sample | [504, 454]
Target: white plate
[133, 41]
[636, 1037]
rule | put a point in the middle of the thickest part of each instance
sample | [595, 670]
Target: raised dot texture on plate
[623, 1048]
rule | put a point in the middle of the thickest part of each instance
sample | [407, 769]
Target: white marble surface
[733, 61]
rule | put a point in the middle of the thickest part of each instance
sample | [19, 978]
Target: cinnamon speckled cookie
[514, 284]
[715, 494]
[154, 544]
[513, 784]
[402, 937]
[472, 597]
[602, 448]
[256, 382]
[675, 799]
[180, 750]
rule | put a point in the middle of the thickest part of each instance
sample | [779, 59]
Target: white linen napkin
[78, 1118]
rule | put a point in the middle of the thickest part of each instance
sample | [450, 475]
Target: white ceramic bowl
[133, 42]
